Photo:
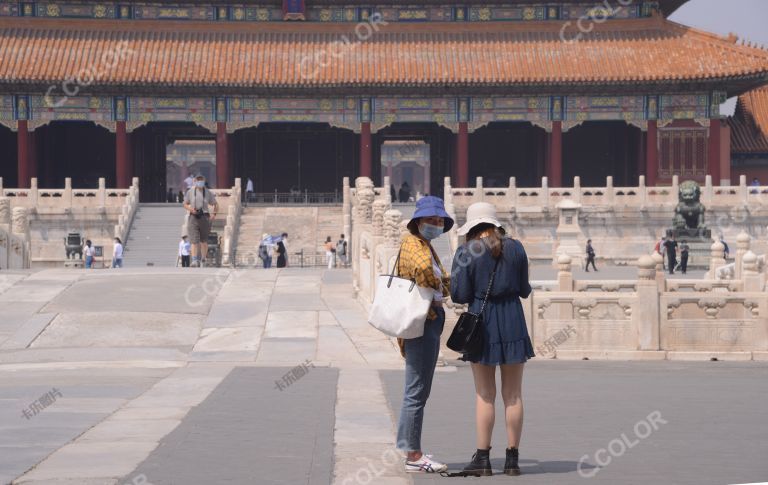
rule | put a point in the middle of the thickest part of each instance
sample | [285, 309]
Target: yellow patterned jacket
[416, 264]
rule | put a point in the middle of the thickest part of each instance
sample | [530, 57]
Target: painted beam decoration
[386, 111]
[533, 108]
[348, 112]
[298, 10]
[340, 112]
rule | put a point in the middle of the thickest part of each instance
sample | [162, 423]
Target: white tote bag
[400, 306]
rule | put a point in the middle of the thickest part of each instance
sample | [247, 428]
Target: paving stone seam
[266, 319]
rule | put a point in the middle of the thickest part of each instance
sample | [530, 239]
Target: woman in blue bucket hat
[419, 262]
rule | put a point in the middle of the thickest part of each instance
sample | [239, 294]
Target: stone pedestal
[74, 264]
[569, 236]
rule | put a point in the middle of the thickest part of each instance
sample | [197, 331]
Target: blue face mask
[430, 231]
[200, 184]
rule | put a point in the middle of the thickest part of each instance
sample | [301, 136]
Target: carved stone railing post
[20, 229]
[564, 273]
[716, 259]
[642, 192]
[5, 213]
[658, 260]
[749, 273]
[708, 193]
[743, 190]
[67, 196]
[479, 193]
[673, 194]
[577, 189]
[102, 194]
[34, 192]
[645, 317]
[346, 211]
[742, 246]
[512, 195]
[545, 193]
[609, 192]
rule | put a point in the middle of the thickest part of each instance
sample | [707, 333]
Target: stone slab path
[158, 366]
[707, 423]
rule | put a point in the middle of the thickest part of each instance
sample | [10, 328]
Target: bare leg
[203, 251]
[485, 389]
[512, 393]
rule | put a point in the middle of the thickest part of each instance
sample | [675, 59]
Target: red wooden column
[23, 159]
[714, 151]
[555, 175]
[462, 156]
[366, 164]
[222, 156]
[122, 161]
[32, 154]
[652, 154]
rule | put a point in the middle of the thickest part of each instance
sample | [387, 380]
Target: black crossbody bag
[467, 335]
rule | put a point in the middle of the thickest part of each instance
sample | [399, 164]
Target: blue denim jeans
[420, 360]
[88, 262]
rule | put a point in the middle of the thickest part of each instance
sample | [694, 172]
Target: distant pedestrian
[330, 251]
[265, 250]
[248, 191]
[282, 251]
[726, 250]
[671, 247]
[659, 248]
[171, 195]
[89, 252]
[755, 182]
[341, 251]
[405, 192]
[184, 248]
[684, 250]
[590, 256]
[393, 193]
[189, 182]
[117, 253]
[198, 201]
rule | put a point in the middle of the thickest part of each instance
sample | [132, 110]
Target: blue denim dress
[506, 336]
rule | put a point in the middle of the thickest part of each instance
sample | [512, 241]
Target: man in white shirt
[189, 182]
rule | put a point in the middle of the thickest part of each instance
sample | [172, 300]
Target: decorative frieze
[350, 112]
[240, 12]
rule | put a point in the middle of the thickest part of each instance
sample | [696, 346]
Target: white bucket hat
[479, 213]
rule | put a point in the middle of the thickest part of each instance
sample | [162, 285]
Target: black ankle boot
[481, 464]
[510, 466]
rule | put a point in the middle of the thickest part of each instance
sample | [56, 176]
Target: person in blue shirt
[507, 344]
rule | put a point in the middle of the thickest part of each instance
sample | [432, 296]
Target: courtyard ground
[166, 376]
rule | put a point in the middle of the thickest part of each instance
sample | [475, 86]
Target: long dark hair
[493, 240]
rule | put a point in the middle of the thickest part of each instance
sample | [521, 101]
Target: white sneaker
[425, 464]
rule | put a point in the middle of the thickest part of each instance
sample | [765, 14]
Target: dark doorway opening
[8, 157]
[285, 157]
[441, 143]
[501, 150]
[80, 150]
[597, 149]
[150, 146]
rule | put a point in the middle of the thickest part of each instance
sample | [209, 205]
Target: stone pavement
[116, 369]
[707, 424]
[174, 376]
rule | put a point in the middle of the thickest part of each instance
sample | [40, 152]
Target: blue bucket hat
[431, 206]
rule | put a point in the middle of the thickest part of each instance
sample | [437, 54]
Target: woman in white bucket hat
[506, 342]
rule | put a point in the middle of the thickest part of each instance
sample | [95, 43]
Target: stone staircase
[307, 228]
[154, 236]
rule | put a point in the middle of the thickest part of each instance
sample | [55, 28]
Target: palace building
[298, 94]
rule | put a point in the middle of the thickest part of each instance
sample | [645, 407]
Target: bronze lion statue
[689, 213]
